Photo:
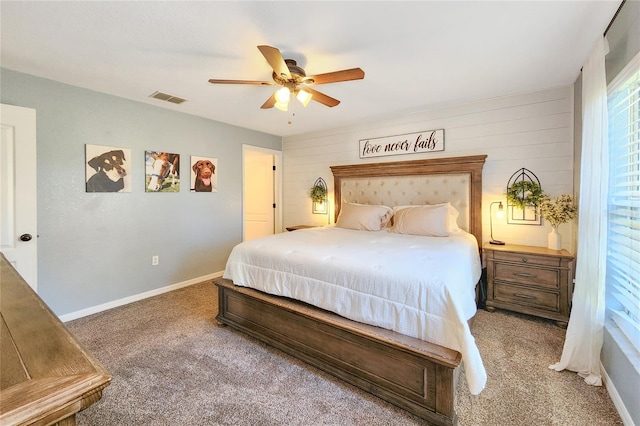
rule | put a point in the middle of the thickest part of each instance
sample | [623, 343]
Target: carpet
[172, 365]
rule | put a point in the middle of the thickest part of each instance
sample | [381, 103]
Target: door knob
[25, 237]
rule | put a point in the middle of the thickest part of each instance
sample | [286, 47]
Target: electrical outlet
[155, 260]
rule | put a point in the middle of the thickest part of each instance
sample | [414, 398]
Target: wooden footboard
[412, 374]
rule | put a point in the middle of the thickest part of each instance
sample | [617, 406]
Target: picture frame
[162, 171]
[107, 169]
[204, 174]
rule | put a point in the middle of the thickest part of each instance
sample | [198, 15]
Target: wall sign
[411, 143]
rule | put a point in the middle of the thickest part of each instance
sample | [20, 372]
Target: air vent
[166, 97]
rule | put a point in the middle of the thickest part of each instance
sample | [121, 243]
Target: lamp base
[498, 243]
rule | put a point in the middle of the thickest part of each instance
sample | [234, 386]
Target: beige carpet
[172, 365]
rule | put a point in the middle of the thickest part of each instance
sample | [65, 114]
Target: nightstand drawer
[524, 296]
[547, 278]
[527, 259]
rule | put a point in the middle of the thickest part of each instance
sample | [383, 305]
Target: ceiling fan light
[282, 106]
[304, 97]
[282, 95]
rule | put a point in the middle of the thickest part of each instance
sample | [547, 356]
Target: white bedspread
[419, 286]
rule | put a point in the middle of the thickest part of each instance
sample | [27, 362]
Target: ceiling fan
[293, 79]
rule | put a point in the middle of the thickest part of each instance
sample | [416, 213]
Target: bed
[398, 345]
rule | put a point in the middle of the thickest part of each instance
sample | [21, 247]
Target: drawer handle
[524, 260]
[524, 296]
[521, 274]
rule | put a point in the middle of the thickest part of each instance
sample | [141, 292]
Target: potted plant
[557, 211]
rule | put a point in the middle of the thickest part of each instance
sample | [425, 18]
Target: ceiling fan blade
[322, 98]
[270, 102]
[275, 59]
[216, 81]
[334, 77]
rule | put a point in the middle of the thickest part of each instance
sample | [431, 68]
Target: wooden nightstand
[530, 280]
[296, 227]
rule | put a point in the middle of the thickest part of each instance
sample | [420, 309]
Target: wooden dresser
[531, 280]
[46, 376]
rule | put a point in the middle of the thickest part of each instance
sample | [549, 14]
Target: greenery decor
[318, 193]
[524, 193]
[558, 210]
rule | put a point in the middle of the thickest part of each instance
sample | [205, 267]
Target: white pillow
[432, 221]
[452, 222]
[364, 217]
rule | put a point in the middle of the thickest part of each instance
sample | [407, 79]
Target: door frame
[277, 184]
[25, 190]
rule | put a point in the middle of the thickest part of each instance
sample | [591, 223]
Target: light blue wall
[95, 248]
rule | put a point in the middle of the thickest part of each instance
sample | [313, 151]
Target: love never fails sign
[412, 143]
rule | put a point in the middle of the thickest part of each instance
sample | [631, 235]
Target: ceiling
[416, 56]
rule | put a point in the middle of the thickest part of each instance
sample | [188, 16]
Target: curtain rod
[614, 17]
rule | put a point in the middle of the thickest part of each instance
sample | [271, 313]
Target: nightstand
[531, 280]
[296, 227]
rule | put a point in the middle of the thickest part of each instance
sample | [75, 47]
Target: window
[623, 255]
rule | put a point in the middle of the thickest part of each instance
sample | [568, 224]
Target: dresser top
[514, 248]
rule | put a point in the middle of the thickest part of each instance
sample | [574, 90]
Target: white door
[259, 194]
[18, 212]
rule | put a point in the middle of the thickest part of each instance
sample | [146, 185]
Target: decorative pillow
[431, 221]
[364, 217]
[452, 222]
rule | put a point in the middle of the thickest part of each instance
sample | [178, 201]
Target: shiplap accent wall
[532, 130]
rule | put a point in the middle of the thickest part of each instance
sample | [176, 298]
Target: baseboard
[124, 301]
[615, 397]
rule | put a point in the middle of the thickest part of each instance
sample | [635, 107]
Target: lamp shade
[304, 97]
[320, 207]
[282, 95]
[282, 106]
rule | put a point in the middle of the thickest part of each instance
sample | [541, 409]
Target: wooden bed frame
[415, 375]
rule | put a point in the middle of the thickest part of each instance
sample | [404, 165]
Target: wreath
[318, 193]
[524, 194]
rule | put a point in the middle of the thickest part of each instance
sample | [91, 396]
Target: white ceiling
[416, 56]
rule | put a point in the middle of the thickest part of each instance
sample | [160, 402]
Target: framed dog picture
[204, 176]
[107, 169]
[162, 172]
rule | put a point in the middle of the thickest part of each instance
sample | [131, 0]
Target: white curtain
[581, 352]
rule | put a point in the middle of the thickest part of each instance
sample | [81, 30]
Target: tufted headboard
[457, 180]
